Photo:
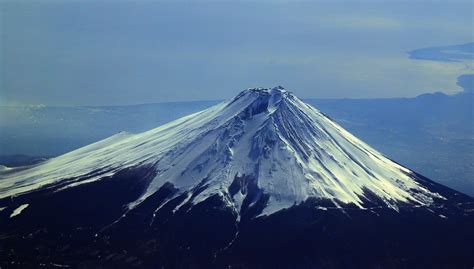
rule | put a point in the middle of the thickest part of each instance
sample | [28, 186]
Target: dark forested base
[84, 227]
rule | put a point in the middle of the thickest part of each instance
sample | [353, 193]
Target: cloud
[75, 53]
[455, 57]
[456, 53]
[466, 82]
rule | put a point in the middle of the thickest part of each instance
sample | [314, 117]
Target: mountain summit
[265, 140]
[259, 181]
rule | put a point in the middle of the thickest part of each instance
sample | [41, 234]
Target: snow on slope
[291, 149]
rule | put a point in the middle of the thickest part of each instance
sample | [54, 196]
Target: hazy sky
[129, 52]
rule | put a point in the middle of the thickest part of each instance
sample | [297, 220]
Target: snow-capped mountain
[250, 160]
[290, 150]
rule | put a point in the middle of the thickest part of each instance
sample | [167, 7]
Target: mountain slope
[259, 181]
[291, 151]
[435, 141]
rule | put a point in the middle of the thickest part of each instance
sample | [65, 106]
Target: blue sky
[130, 52]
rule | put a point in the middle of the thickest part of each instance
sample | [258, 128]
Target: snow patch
[4, 168]
[18, 210]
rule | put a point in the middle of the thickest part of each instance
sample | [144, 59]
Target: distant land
[432, 133]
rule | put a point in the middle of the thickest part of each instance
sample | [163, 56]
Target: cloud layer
[457, 53]
[106, 53]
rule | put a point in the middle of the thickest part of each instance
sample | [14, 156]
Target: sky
[132, 52]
